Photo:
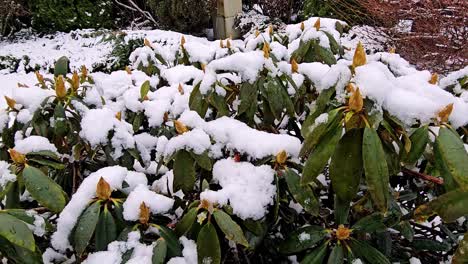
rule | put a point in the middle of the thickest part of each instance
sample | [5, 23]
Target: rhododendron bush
[281, 147]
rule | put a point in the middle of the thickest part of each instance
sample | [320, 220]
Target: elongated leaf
[230, 228]
[43, 189]
[320, 106]
[370, 223]
[302, 194]
[461, 255]
[85, 227]
[366, 252]
[220, 104]
[49, 163]
[17, 254]
[173, 246]
[203, 160]
[145, 88]
[159, 252]
[336, 255]
[208, 248]
[419, 140]
[16, 231]
[61, 128]
[184, 172]
[186, 222]
[317, 255]
[196, 101]
[274, 97]
[320, 156]
[375, 169]
[452, 154]
[346, 165]
[106, 230]
[247, 96]
[301, 239]
[428, 244]
[449, 206]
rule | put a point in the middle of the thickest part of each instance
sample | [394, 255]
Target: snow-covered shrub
[280, 147]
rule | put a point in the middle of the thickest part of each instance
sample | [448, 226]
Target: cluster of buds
[343, 233]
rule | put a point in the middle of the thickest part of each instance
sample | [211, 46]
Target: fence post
[226, 14]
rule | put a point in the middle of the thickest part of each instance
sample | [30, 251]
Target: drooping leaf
[16, 231]
[159, 252]
[230, 228]
[302, 194]
[44, 189]
[336, 255]
[196, 101]
[301, 239]
[346, 165]
[316, 256]
[203, 160]
[208, 248]
[419, 140]
[366, 252]
[428, 244]
[186, 222]
[106, 230]
[320, 106]
[375, 169]
[173, 246]
[184, 172]
[319, 157]
[85, 227]
[453, 157]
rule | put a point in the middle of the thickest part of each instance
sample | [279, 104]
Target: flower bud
[317, 24]
[281, 157]
[444, 114]
[10, 102]
[40, 78]
[182, 41]
[302, 26]
[392, 50]
[228, 44]
[84, 72]
[17, 157]
[147, 43]
[359, 58]
[270, 30]
[128, 70]
[119, 116]
[266, 50]
[434, 79]
[75, 81]
[343, 233]
[221, 44]
[144, 214]
[294, 66]
[356, 102]
[257, 33]
[103, 190]
[180, 127]
[60, 89]
[181, 89]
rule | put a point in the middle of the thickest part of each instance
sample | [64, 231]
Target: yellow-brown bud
[302, 26]
[281, 157]
[10, 102]
[60, 89]
[350, 88]
[144, 214]
[294, 66]
[181, 89]
[270, 30]
[221, 44]
[257, 33]
[343, 233]
[119, 116]
[356, 102]
[317, 24]
[359, 58]
[103, 190]
[40, 78]
[444, 114]
[182, 41]
[147, 43]
[228, 44]
[203, 66]
[128, 70]
[180, 127]
[434, 79]
[266, 50]
[75, 81]
[84, 72]
[17, 157]
[392, 50]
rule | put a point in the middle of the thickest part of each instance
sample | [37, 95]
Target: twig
[423, 176]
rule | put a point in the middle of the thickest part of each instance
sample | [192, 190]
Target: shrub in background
[12, 12]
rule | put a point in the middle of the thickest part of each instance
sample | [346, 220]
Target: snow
[157, 203]
[6, 174]
[97, 134]
[247, 188]
[304, 237]
[414, 260]
[34, 144]
[189, 252]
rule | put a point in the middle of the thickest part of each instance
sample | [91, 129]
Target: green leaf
[173, 246]
[184, 172]
[274, 97]
[203, 160]
[220, 104]
[346, 165]
[320, 155]
[428, 244]
[449, 206]
[61, 66]
[336, 255]
[45, 154]
[461, 255]
[138, 121]
[301, 239]
[60, 127]
[317, 255]
[48, 163]
[185, 224]
[375, 169]
[230, 228]
[106, 230]
[208, 248]
[85, 227]
[196, 101]
[453, 155]
[16, 231]
[159, 252]
[370, 223]
[320, 106]
[341, 210]
[247, 96]
[406, 230]
[145, 88]
[366, 252]
[419, 140]
[43, 189]
[302, 194]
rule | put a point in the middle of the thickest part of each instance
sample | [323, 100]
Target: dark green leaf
[428, 244]
[186, 222]
[16, 231]
[145, 88]
[274, 97]
[203, 160]
[48, 163]
[106, 230]
[366, 252]
[336, 255]
[406, 230]
[61, 66]
[370, 223]
[230, 228]
[341, 211]
[419, 140]
[184, 172]
[159, 252]
[173, 246]
[43, 189]
[196, 102]
[317, 255]
[346, 165]
[302, 194]
[375, 169]
[301, 239]
[208, 248]
[85, 227]
[320, 106]
[453, 156]
[319, 157]
[449, 206]
[220, 104]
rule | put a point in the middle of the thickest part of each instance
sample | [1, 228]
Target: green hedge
[66, 15]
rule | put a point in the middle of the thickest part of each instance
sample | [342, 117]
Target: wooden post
[227, 11]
